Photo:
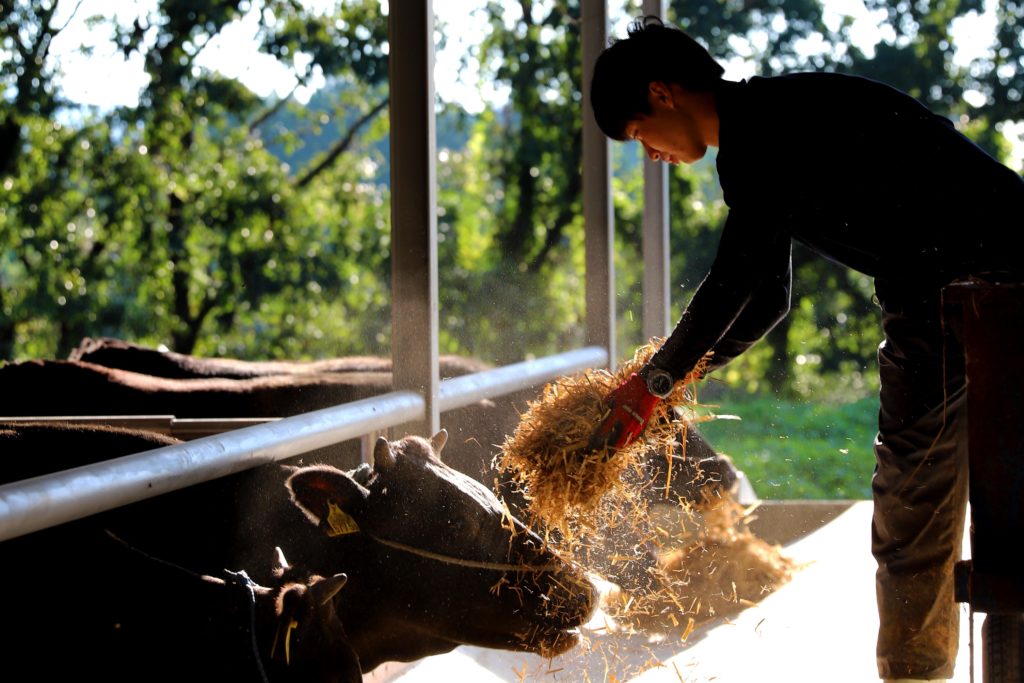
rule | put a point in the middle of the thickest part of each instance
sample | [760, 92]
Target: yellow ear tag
[339, 521]
[292, 625]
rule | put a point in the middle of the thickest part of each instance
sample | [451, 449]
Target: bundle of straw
[549, 457]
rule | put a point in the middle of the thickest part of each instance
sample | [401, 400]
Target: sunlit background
[222, 188]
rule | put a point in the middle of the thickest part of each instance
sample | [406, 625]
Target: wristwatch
[659, 382]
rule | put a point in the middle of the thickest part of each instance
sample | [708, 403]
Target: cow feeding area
[674, 563]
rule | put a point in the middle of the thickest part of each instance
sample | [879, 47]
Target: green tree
[26, 31]
[227, 198]
[67, 255]
[216, 222]
[170, 221]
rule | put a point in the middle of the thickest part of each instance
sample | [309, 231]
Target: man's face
[671, 132]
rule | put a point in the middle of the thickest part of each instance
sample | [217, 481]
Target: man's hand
[631, 406]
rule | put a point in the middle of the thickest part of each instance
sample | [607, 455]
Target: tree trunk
[6, 333]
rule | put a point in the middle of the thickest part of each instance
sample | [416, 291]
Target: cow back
[122, 355]
[70, 388]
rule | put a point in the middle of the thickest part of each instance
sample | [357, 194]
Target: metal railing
[52, 499]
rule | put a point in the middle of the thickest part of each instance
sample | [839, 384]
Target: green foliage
[319, 281]
[766, 31]
[797, 449]
[65, 244]
[170, 222]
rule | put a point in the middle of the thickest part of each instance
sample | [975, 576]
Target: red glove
[631, 406]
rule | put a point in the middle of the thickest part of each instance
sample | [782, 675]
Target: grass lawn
[791, 450]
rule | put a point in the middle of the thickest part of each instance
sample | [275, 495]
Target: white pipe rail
[48, 500]
[52, 499]
[457, 392]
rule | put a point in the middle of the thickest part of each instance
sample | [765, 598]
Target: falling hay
[548, 455]
[685, 563]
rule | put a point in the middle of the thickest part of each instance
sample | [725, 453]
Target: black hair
[652, 51]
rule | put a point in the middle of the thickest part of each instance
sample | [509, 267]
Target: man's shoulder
[822, 82]
[834, 96]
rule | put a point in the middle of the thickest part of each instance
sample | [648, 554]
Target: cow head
[459, 568]
[287, 633]
[309, 642]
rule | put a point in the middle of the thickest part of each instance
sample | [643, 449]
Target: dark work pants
[919, 488]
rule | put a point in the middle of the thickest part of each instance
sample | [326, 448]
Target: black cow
[81, 388]
[432, 561]
[697, 471]
[51, 387]
[283, 388]
[476, 430]
[123, 355]
[217, 628]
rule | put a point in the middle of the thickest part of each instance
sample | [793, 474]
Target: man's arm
[768, 306]
[744, 295]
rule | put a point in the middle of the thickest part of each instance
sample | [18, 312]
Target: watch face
[660, 384]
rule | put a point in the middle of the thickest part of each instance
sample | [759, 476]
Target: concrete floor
[819, 627]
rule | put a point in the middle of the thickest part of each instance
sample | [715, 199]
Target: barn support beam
[657, 296]
[414, 291]
[598, 217]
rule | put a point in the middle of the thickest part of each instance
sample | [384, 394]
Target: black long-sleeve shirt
[859, 172]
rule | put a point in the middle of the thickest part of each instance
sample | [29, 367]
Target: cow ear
[329, 497]
[383, 456]
[325, 590]
[438, 441]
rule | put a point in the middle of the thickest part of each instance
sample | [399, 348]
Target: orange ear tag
[339, 521]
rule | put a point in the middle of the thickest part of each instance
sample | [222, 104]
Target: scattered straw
[724, 569]
[677, 564]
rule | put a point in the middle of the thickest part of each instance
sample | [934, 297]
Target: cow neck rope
[458, 561]
[239, 578]
[361, 473]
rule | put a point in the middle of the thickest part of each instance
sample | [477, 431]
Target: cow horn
[438, 441]
[383, 457]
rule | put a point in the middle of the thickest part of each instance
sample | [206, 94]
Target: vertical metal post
[598, 216]
[989, 319]
[414, 321]
[656, 293]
